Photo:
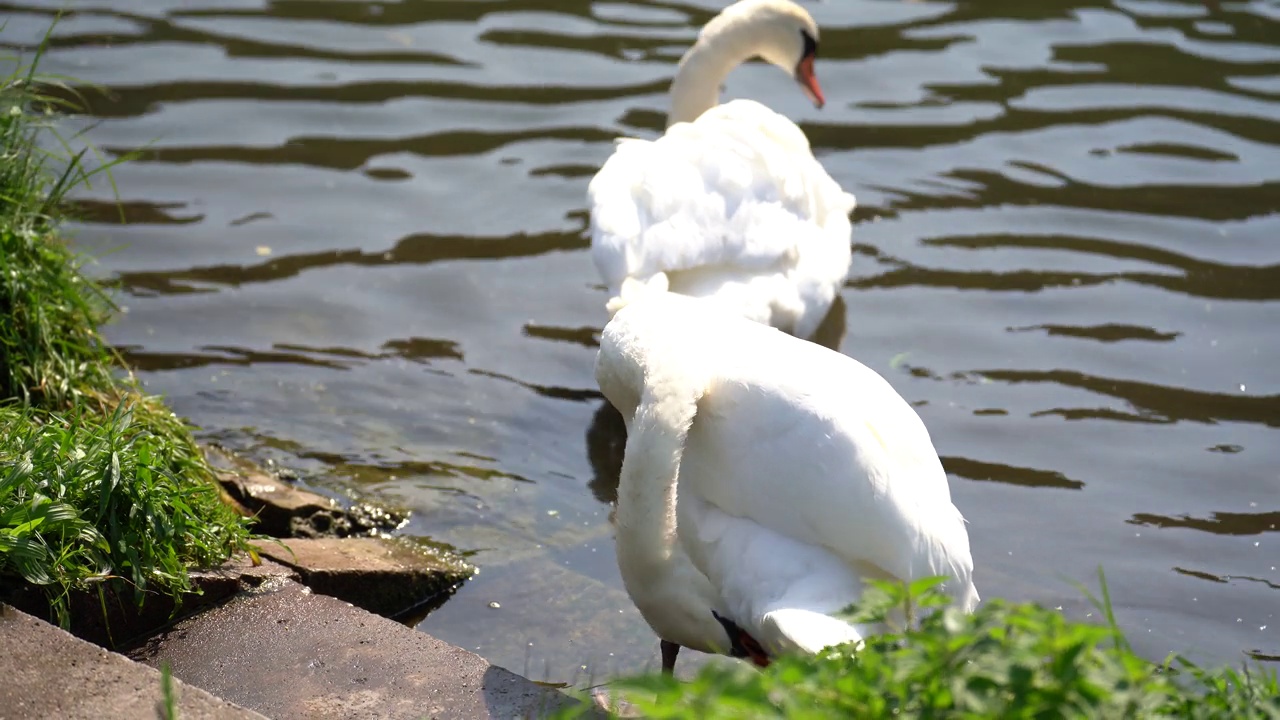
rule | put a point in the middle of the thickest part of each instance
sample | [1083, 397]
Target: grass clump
[100, 486]
[50, 352]
[1003, 661]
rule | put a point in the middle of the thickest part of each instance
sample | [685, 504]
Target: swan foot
[669, 652]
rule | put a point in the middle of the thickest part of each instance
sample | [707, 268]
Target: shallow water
[355, 246]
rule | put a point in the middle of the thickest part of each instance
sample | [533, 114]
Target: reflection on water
[1220, 523]
[353, 242]
[606, 440]
[419, 249]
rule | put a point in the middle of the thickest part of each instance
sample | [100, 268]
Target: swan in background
[764, 479]
[729, 203]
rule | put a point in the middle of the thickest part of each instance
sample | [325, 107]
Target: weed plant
[1004, 661]
[100, 486]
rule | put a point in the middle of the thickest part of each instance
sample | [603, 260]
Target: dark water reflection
[354, 243]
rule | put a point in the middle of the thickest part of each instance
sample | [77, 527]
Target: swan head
[741, 644]
[783, 34]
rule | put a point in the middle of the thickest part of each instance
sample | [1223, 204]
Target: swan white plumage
[764, 479]
[730, 203]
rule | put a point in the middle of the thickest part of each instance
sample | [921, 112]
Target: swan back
[803, 473]
[733, 206]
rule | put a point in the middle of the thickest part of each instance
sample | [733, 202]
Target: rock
[291, 653]
[387, 577]
[275, 503]
[48, 673]
[239, 574]
[283, 509]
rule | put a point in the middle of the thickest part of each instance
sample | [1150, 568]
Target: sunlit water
[355, 246]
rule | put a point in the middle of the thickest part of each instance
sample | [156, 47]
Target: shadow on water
[1154, 403]
[1221, 523]
[417, 249]
[606, 441]
[415, 349]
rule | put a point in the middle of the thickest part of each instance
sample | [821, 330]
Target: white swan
[764, 478]
[730, 203]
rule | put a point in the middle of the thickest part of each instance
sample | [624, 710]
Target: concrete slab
[123, 621]
[290, 653]
[386, 577]
[49, 673]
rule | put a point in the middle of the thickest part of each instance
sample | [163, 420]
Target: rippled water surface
[355, 245]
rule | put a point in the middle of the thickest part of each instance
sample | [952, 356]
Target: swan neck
[704, 68]
[646, 515]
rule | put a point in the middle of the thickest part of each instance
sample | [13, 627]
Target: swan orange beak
[755, 652]
[809, 81]
[758, 657]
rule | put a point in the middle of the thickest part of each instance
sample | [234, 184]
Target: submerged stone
[387, 577]
[283, 509]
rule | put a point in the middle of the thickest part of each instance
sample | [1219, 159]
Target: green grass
[50, 352]
[100, 486]
[167, 708]
[1004, 661]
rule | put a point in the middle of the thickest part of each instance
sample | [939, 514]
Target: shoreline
[115, 525]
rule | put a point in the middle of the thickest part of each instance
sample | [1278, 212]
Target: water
[355, 246]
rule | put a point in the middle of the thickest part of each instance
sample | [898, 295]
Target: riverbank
[116, 525]
[107, 503]
[103, 487]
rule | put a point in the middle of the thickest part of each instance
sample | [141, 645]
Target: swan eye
[810, 45]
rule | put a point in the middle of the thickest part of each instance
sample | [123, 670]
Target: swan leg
[669, 651]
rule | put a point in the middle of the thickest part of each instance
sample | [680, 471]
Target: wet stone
[283, 509]
[318, 525]
[291, 653]
[239, 573]
[274, 502]
[387, 577]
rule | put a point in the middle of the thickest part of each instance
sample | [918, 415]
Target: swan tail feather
[633, 289]
[811, 631]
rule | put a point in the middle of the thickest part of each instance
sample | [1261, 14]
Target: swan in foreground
[730, 203]
[764, 479]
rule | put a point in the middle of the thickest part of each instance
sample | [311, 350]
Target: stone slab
[274, 502]
[282, 508]
[49, 673]
[291, 653]
[387, 577]
[123, 622]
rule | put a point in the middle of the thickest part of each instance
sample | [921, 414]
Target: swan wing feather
[819, 448]
[738, 187]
